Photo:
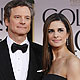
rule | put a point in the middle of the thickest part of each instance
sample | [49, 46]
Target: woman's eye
[50, 30]
[60, 30]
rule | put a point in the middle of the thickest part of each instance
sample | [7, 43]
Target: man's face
[20, 20]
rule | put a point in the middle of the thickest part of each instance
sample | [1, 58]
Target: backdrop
[70, 8]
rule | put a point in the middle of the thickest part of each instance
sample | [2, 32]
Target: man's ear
[6, 22]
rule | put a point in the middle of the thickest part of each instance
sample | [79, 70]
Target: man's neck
[18, 39]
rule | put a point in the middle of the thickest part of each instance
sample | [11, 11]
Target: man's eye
[28, 18]
[16, 17]
[50, 30]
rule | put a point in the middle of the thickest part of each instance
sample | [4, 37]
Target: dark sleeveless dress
[53, 77]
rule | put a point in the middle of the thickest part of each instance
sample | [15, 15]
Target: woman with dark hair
[59, 61]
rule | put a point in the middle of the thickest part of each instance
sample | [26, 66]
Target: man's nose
[22, 21]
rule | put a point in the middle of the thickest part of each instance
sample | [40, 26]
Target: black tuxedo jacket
[35, 63]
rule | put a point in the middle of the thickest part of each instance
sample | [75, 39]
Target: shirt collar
[10, 41]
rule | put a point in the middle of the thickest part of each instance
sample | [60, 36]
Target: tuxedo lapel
[6, 71]
[32, 65]
[5, 62]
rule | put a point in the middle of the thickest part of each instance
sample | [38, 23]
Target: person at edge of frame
[59, 60]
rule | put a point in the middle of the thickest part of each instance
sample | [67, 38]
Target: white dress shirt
[19, 60]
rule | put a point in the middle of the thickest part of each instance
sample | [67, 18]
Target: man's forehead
[21, 10]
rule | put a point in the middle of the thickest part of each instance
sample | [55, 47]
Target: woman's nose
[56, 35]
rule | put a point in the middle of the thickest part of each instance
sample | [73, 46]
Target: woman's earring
[67, 42]
[48, 45]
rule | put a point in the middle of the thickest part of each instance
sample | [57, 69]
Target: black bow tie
[16, 47]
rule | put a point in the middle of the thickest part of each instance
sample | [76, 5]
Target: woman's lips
[56, 41]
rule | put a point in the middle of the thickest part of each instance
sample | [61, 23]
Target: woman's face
[57, 34]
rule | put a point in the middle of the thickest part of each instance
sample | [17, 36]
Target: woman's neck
[59, 52]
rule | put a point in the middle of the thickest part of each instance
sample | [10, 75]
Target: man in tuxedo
[20, 59]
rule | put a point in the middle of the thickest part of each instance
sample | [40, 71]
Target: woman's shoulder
[73, 67]
[73, 60]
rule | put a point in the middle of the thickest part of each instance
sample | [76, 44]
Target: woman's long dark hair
[46, 47]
